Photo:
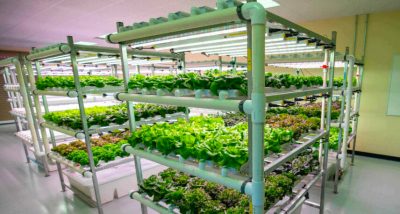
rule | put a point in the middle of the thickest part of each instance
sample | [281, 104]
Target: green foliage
[216, 80]
[105, 148]
[106, 115]
[200, 196]
[67, 82]
[205, 138]
[298, 124]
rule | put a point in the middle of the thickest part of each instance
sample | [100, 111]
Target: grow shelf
[159, 207]
[18, 112]
[11, 87]
[208, 171]
[95, 130]
[85, 170]
[85, 90]
[27, 136]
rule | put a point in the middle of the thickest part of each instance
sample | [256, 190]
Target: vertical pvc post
[349, 94]
[256, 13]
[78, 88]
[31, 107]
[323, 103]
[29, 114]
[131, 113]
[360, 74]
[249, 87]
[52, 136]
[220, 63]
[327, 127]
[15, 104]
[138, 69]
[39, 113]
[340, 137]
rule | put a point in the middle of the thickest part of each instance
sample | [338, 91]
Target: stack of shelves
[349, 94]
[67, 54]
[210, 31]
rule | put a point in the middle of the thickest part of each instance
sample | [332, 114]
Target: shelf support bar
[327, 125]
[255, 13]
[73, 54]
[131, 114]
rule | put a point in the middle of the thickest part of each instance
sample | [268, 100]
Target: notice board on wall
[394, 88]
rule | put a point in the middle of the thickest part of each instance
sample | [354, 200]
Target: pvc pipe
[293, 153]
[29, 114]
[289, 95]
[349, 94]
[301, 194]
[360, 74]
[131, 112]
[61, 49]
[327, 127]
[69, 93]
[70, 165]
[52, 137]
[75, 71]
[324, 84]
[256, 13]
[228, 105]
[193, 22]
[100, 49]
[59, 129]
[38, 108]
[340, 142]
[8, 61]
[275, 18]
[189, 169]
[149, 203]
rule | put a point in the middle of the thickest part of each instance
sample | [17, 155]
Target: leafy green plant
[205, 139]
[106, 115]
[67, 82]
[105, 148]
[200, 196]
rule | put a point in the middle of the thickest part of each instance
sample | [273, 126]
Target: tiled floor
[371, 186]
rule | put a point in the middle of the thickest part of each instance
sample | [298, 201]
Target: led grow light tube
[58, 58]
[267, 49]
[244, 53]
[338, 64]
[284, 46]
[194, 36]
[188, 46]
[269, 43]
[223, 39]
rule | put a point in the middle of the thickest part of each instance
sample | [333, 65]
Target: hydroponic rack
[349, 95]
[212, 26]
[70, 53]
[23, 112]
[350, 112]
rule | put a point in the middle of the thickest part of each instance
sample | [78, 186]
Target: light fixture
[268, 3]
[273, 46]
[230, 39]
[58, 58]
[338, 64]
[192, 36]
[85, 43]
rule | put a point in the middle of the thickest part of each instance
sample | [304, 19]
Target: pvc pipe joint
[258, 99]
[255, 12]
[257, 188]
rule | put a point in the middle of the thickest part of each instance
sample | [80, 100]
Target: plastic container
[115, 182]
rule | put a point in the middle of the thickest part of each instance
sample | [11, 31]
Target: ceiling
[37, 23]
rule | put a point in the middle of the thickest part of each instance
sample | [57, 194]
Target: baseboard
[373, 155]
[7, 122]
